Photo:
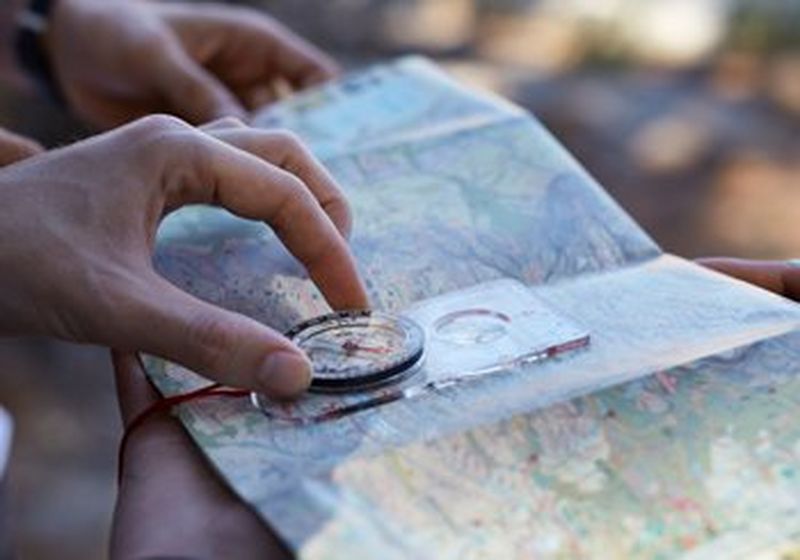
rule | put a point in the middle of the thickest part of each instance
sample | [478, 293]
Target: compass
[356, 350]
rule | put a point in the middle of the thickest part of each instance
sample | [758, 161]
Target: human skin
[170, 503]
[120, 59]
[781, 277]
[15, 147]
[77, 229]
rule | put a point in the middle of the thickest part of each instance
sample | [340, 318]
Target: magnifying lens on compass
[359, 350]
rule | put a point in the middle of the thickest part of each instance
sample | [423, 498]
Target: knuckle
[289, 141]
[159, 124]
[293, 154]
[297, 200]
[160, 138]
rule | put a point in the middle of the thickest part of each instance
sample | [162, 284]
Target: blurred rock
[488, 77]
[539, 43]
[595, 104]
[671, 144]
[438, 25]
[61, 477]
[737, 75]
[675, 33]
[756, 205]
[784, 81]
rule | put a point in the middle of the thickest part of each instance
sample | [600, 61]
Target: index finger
[253, 188]
[290, 55]
[287, 152]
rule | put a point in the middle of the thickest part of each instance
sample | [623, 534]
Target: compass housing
[359, 349]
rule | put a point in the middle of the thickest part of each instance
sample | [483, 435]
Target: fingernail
[284, 375]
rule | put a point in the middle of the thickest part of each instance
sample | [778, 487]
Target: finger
[765, 274]
[14, 147]
[303, 64]
[162, 471]
[252, 188]
[257, 96]
[287, 152]
[191, 91]
[224, 346]
[291, 56]
[134, 392]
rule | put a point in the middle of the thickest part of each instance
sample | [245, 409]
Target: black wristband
[31, 24]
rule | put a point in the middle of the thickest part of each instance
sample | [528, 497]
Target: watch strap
[31, 25]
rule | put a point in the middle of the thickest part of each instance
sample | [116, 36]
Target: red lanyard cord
[166, 404]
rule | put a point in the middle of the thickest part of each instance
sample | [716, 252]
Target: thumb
[224, 346]
[191, 92]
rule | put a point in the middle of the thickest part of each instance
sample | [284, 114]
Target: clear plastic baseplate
[486, 329]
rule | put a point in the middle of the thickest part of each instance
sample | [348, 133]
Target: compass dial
[352, 350]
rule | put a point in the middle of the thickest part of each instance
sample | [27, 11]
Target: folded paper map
[695, 449]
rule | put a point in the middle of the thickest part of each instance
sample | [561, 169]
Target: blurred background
[687, 111]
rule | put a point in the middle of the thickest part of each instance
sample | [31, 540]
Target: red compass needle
[351, 347]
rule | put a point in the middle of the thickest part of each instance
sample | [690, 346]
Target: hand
[119, 60]
[14, 148]
[77, 227]
[170, 503]
[780, 277]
